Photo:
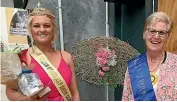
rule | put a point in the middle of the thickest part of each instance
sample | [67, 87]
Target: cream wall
[9, 40]
[3, 94]
[4, 3]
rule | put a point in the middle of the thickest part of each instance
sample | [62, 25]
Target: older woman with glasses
[152, 75]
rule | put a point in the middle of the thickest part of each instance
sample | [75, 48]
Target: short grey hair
[159, 17]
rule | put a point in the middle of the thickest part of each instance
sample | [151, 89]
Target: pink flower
[105, 68]
[105, 55]
[102, 53]
[102, 61]
[100, 73]
[98, 54]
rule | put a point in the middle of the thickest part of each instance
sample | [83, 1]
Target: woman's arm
[15, 95]
[73, 88]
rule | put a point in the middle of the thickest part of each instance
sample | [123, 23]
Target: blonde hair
[42, 12]
[159, 17]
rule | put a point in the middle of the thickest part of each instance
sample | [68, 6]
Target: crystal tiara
[41, 11]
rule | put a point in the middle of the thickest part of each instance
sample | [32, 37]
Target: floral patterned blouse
[166, 86]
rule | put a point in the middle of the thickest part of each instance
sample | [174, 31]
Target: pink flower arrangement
[105, 59]
[101, 73]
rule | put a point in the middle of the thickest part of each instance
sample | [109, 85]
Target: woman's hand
[37, 98]
[15, 95]
[33, 98]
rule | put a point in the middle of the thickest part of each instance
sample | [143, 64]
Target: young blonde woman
[55, 68]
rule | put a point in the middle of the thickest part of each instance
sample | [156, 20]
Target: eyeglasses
[161, 33]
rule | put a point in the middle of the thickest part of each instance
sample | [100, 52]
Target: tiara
[40, 11]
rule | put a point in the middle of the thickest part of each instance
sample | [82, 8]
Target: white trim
[107, 23]
[60, 24]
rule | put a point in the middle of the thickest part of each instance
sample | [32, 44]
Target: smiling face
[153, 38]
[42, 29]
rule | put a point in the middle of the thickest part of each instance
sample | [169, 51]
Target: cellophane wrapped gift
[10, 69]
[13, 75]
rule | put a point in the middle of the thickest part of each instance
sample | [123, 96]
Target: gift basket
[10, 69]
[19, 77]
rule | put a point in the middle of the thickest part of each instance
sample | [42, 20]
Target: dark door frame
[20, 4]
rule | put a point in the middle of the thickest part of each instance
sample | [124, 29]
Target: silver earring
[54, 44]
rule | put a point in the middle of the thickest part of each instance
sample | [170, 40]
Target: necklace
[155, 68]
[158, 64]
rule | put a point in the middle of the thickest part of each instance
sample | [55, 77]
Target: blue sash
[140, 79]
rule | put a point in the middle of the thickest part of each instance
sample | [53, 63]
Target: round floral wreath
[102, 60]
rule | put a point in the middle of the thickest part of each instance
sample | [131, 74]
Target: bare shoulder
[66, 54]
[67, 57]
